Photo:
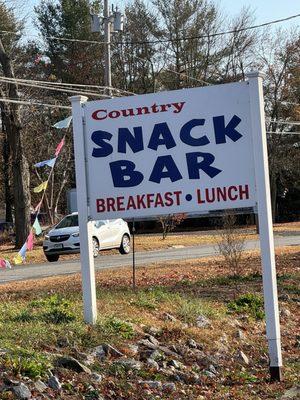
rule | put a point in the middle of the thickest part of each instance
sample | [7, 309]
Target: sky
[264, 10]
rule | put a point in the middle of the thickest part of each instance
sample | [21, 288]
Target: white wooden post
[86, 246]
[265, 222]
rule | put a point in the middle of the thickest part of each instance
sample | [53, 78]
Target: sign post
[265, 222]
[86, 245]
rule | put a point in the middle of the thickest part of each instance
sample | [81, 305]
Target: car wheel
[52, 257]
[95, 247]
[125, 245]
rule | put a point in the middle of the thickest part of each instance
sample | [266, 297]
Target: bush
[248, 303]
[119, 327]
[27, 363]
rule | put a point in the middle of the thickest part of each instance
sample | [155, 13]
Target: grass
[37, 316]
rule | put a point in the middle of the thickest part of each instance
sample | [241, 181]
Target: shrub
[248, 303]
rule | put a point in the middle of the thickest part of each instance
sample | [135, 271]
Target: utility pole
[107, 36]
[111, 22]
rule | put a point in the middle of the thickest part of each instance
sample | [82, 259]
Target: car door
[115, 232]
[102, 230]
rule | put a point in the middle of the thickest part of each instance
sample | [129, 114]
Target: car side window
[100, 223]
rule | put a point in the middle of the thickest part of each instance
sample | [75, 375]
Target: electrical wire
[284, 122]
[162, 40]
[28, 103]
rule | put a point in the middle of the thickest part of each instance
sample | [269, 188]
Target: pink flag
[37, 208]
[30, 241]
[2, 263]
[59, 147]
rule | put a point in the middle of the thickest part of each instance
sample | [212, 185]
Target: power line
[284, 133]
[161, 40]
[62, 87]
[28, 103]
[247, 28]
[284, 122]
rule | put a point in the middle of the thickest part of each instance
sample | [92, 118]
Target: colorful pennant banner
[36, 227]
[50, 163]
[63, 124]
[59, 147]
[41, 187]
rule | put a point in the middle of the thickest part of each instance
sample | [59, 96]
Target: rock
[169, 387]
[99, 353]
[292, 394]
[150, 384]
[153, 340]
[240, 335]
[209, 374]
[188, 378]
[40, 386]
[71, 363]
[147, 343]
[176, 364]
[212, 369]
[169, 317]
[96, 377]
[202, 322]
[169, 352]
[154, 331]
[284, 297]
[192, 344]
[129, 364]
[54, 383]
[133, 348]
[63, 342]
[112, 351]
[241, 357]
[21, 391]
[152, 364]
[285, 313]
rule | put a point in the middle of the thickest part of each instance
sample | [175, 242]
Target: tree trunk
[5, 168]
[20, 170]
[273, 185]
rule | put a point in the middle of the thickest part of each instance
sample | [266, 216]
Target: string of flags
[36, 229]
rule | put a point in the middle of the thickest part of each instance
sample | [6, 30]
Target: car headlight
[75, 234]
[47, 237]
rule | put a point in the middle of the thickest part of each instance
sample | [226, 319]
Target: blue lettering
[158, 173]
[187, 138]
[99, 138]
[166, 139]
[124, 174]
[221, 131]
[194, 166]
[134, 141]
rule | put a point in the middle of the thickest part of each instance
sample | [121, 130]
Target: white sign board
[188, 151]
[172, 152]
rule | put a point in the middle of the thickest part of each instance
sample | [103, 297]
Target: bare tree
[231, 244]
[169, 222]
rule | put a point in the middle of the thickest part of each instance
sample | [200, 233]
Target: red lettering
[100, 205]
[221, 193]
[131, 203]
[177, 195]
[168, 199]
[120, 203]
[244, 191]
[97, 117]
[140, 201]
[230, 195]
[199, 200]
[159, 201]
[149, 199]
[110, 201]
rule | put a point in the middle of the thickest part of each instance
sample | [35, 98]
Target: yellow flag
[42, 186]
[18, 259]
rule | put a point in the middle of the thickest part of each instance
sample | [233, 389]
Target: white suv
[107, 234]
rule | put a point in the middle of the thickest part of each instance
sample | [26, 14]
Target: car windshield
[68, 222]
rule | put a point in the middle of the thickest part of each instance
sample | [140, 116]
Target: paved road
[37, 271]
